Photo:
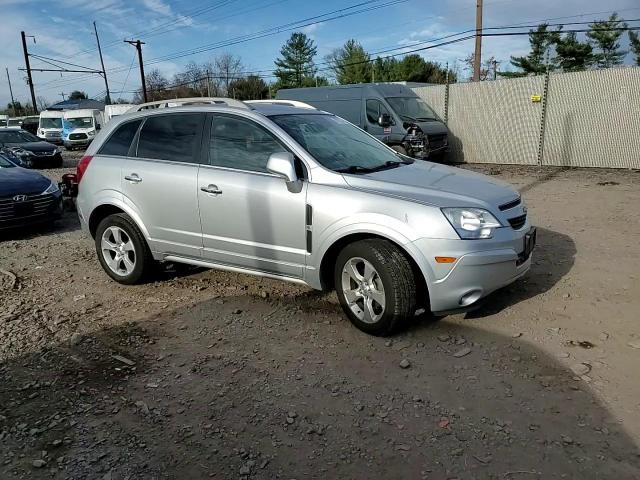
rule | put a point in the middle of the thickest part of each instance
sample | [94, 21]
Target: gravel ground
[207, 374]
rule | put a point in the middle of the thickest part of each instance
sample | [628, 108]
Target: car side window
[375, 108]
[174, 137]
[241, 144]
[119, 142]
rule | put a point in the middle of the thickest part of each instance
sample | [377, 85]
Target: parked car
[3, 120]
[26, 197]
[301, 195]
[15, 122]
[111, 111]
[79, 127]
[29, 150]
[50, 126]
[30, 124]
[391, 112]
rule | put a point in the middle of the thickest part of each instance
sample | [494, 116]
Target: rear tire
[122, 250]
[375, 286]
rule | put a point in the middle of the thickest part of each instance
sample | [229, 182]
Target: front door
[375, 108]
[249, 217]
[160, 182]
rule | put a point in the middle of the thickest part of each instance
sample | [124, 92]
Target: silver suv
[298, 194]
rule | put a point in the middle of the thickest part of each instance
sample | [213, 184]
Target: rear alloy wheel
[122, 250]
[375, 286]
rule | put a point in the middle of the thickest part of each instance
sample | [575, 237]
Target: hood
[35, 147]
[432, 127]
[438, 185]
[19, 181]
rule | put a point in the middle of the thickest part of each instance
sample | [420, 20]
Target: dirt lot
[206, 374]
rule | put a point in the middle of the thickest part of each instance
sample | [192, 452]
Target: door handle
[211, 189]
[133, 178]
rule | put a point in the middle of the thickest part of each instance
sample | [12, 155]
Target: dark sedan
[26, 197]
[29, 150]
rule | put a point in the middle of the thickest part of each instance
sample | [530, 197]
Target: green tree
[77, 95]
[634, 42]
[296, 61]
[350, 63]
[605, 39]
[250, 88]
[573, 55]
[536, 62]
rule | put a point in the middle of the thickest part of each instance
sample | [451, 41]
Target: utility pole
[13, 102]
[477, 58]
[104, 72]
[30, 80]
[138, 44]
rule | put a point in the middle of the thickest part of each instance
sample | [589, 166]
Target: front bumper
[83, 142]
[482, 267]
[34, 210]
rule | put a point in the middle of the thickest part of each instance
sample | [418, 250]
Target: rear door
[249, 217]
[159, 182]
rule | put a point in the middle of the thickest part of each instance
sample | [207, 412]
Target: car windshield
[339, 145]
[412, 108]
[46, 122]
[17, 136]
[4, 163]
[79, 122]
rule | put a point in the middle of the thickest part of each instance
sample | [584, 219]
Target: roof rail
[290, 103]
[180, 102]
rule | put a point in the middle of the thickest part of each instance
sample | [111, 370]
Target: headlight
[51, 188]
[91, 133]
[21, 152]
[58, 150]
[471, 223]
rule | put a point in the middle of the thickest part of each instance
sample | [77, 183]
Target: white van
[3, 120]
[50, 126]
[111, 111]
[79, 127]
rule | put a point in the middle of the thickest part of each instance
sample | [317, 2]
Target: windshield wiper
[387, 165]
[355, 169]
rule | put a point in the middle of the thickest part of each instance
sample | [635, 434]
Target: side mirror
[283, 165]
[384, 120]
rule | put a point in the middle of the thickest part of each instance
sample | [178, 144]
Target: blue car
[26, 197]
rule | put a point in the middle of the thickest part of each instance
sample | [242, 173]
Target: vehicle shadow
[266, 389]
[553, 257]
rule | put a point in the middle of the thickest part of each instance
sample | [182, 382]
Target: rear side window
[241, 144]
[120, 141]
[174, 137]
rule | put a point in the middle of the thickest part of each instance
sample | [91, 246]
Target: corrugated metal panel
[593, 119]
[495, 122]
[434, 96]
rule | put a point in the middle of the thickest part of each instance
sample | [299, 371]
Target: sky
[63, 31]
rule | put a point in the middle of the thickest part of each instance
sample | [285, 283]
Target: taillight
[82, 166]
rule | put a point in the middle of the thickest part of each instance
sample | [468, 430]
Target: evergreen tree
[606, 41]
[350, 64]
[573, 55]
[296, 61]
[634, 42]
[250, 88]
[541, 40]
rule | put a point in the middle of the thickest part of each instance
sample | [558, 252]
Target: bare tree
[229, 68]
[42, 103]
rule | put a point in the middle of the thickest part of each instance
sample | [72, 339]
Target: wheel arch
[330, 255]
[103, 210]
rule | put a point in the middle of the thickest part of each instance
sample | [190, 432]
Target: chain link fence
[579, 119]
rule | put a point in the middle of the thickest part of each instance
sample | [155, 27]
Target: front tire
[122, 250]
[376, 286]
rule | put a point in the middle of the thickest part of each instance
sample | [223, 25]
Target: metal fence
[580, 119]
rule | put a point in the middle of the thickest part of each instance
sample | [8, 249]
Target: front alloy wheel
[375, 285]
[363, 290]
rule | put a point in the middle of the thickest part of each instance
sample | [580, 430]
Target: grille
[510, 205]
[44, 154]
[518, 222]
[33, 206]
[78, 136]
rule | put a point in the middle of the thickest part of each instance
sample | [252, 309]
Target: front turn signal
[446, 259]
